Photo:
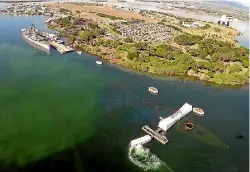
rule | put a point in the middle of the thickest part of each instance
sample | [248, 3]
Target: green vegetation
[165, 60]
[217, 56]
[65, 11]
[206, 26]
[78, 29]
[161, 23]
[128, 40]
[174, 27]
[205, 58]
[216, 29]
[187, 39]
[114, 29]
[186, 20]
[109, 16]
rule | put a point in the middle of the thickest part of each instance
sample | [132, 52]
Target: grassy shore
[205, 55]
[92, 12]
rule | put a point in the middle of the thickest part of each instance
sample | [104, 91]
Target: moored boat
[153, 90]
[59, 41]
[198, 111]
[79, 52]
[98, 62]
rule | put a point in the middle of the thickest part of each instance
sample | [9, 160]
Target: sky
[243, 2]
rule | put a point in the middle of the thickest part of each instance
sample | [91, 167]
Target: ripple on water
[147, 161]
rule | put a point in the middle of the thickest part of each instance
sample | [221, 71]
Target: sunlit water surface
[62, 112]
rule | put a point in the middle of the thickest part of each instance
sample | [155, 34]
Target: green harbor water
[65, 113]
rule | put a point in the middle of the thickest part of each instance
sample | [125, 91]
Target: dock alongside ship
[61, 48]
[44, 40]
[158, 134]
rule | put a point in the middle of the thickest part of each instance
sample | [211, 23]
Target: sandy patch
[90, 10]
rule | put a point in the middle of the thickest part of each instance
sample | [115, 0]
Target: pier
[61, 48]
[155, 134]
[45, 40]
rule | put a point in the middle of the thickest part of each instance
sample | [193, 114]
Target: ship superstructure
[38, 37]
[45, 40]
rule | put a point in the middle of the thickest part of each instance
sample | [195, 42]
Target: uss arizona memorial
[163, 126]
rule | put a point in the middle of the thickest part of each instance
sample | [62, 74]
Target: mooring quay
[61, 48]
[45, 40]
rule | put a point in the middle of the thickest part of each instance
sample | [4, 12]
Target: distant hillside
[231, 4]
[10, 1]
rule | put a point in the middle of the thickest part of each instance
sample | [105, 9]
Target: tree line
[211, 59]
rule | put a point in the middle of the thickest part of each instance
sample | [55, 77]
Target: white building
[186, 25]
[198, 24]
[166, 123]
[193, 25]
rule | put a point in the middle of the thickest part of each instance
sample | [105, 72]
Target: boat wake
[147, 161]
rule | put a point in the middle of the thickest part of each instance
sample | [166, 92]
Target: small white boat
[79, 52]
[59, 41]
[98, 62]
[198, 111]
[153, 90]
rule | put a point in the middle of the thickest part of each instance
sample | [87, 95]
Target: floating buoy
[189, 126]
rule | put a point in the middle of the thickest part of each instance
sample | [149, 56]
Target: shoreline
[119, 57]
[175, 77]
[178, 77]
[165, 76]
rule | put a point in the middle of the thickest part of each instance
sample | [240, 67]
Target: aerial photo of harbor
[124, 86]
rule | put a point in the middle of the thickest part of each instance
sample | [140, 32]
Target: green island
[184, 54]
